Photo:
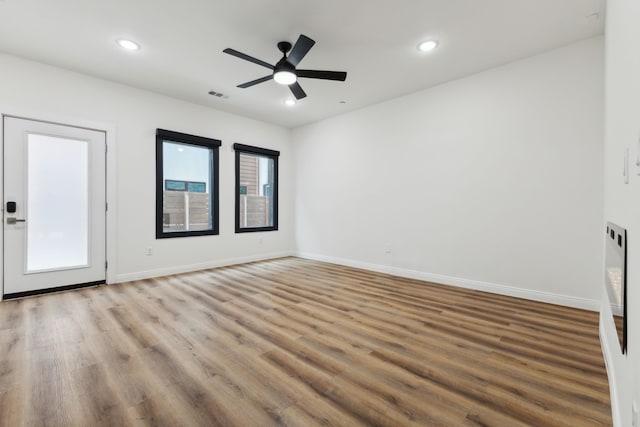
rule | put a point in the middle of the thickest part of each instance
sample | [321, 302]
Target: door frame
[110, 179]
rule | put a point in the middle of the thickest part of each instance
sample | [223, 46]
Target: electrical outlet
[634, 414]
[149, 250]
[387, 248]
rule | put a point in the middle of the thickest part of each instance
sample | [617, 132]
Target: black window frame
[163, 135]
[274, 155]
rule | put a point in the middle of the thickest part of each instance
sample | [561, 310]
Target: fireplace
[615, 276]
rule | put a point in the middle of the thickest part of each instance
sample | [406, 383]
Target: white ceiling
[374, 41]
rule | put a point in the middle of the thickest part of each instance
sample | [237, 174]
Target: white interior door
[54, 182]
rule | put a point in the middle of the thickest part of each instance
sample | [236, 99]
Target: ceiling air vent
[218, 94]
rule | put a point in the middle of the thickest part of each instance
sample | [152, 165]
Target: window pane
[187, 175]
[57, 203]
[256, 191]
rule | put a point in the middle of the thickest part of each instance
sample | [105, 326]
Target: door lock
[15, 220]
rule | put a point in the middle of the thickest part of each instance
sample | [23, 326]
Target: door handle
[15, 220]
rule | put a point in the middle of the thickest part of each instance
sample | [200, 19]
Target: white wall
[622, 202]
[493, 181]
[135, 115]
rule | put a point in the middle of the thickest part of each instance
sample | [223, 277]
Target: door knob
[15, 220]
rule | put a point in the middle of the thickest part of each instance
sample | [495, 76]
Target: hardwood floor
[298, 343]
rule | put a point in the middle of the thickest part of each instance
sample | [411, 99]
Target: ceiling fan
[285, 72]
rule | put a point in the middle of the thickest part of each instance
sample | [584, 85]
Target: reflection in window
[256, 189]
[187, 184]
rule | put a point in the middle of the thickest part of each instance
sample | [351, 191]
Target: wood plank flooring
[297, 343]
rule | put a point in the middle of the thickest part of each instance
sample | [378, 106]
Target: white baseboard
[141, 275]
[511, 291]
[613, 388]
[530, 294]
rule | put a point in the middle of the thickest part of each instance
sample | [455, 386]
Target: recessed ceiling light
[290, 102]
[427, 46]
[128, 44]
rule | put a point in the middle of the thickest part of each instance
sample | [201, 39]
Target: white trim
[112, 197]
[530, 294]
[141, 275]
[2, 206]
[613, 387]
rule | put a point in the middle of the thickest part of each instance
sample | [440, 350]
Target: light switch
[625, 166]
[638, 158]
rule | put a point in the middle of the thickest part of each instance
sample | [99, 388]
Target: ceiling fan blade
[256, 81]
[297, 91]
[300, 49]
[325, 75]
[248, 58]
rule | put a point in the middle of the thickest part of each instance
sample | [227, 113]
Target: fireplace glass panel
[616, 278]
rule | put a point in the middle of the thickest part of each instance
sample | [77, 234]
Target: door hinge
[106, 265]
[106, 148]
[106, 206]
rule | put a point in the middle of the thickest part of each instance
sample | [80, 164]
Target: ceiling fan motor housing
[284, 47]
[284, 65]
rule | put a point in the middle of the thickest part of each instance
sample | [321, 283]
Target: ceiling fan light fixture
[285, 77]
[427, 46]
